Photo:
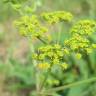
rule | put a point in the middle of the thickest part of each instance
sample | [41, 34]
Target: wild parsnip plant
[50, 53]
[53, 54]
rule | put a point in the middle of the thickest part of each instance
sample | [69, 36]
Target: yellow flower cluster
[77, 42]
[84, 27]
[58, 16]
[80, 42]
[30, 26]
[53, 54]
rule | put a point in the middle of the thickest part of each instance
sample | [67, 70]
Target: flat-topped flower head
[84, 27]
[77, 42]
[30, 26]
[52, 54]
[58, 16]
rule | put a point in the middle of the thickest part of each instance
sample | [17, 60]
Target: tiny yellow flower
[55, 61]
[49, 38]
[34, 56]
[78, 55]
[57, 46]
[64, 65]
[93, 45]
[43, 65]
[53, 81]
[56, 82]
[89, 50]
[66, 51]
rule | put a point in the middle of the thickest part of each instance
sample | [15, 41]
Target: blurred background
[16, 71]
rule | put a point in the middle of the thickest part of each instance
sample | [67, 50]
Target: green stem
[59, 35]
[89, 64]
[42, 40]
[44, 81]
[45, 94]
[72, 85]
[36, 69]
